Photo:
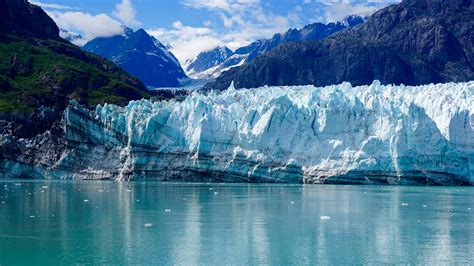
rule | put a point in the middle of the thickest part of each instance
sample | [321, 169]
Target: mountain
[38, 68]
[142, 56]
[414, 42]
[18, 17]
[202, 66]
[246, 54]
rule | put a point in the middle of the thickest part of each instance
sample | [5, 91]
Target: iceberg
[377, 134]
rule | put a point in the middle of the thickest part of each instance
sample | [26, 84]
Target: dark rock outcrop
[22, 18]
[414, 42]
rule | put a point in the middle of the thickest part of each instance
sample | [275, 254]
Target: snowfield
[337, 134]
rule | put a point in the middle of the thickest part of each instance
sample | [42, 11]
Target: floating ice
[325, 217]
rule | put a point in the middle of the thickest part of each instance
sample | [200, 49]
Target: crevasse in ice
[334, 134]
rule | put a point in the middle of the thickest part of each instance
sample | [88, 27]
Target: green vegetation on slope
[36, 72]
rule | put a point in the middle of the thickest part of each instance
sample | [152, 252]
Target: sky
[192, 26]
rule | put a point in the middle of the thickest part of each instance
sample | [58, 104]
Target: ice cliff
[337, 134]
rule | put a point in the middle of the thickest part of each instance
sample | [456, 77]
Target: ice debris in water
[325, 218]
[148, 225]
[167, 210]
[404, 204]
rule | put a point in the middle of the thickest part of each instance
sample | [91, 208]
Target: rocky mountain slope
[246, 54]
[142, 56]
[21, 18]
[38, 68]
[203, 65]
[414, 42]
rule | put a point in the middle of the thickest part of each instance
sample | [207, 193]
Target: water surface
[44, 222]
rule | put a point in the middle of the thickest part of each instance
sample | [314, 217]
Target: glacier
[377, 134]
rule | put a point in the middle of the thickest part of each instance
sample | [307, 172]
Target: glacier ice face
[336, 134]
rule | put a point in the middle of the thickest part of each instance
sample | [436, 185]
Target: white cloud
[224, 5]
[187, 42]
[236, 23]
[51, 6]
[93, 26]
[90, 26]
[126, 13]
[336, 10]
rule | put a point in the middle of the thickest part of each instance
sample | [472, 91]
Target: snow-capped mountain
[142, 56]
[199, 66]
[413, 42]
[246, 54]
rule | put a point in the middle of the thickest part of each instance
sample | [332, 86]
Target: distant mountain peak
[127, 31]
[208, 60]
[141, 55]
[352, 20]
[206, 66]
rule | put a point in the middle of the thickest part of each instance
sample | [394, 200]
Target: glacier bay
[377, 134]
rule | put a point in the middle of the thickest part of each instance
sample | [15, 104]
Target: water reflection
[188, 224]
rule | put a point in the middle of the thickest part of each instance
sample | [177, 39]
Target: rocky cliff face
[22, 18]
[338, 134]
[414, 42]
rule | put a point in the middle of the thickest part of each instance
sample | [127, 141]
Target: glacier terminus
[377, 134]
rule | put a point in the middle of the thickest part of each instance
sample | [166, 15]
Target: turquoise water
[153, 223]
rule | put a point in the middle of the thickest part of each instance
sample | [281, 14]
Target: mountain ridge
[415, 42]
[248, 53]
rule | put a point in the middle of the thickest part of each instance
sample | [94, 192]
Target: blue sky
[192, 26]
